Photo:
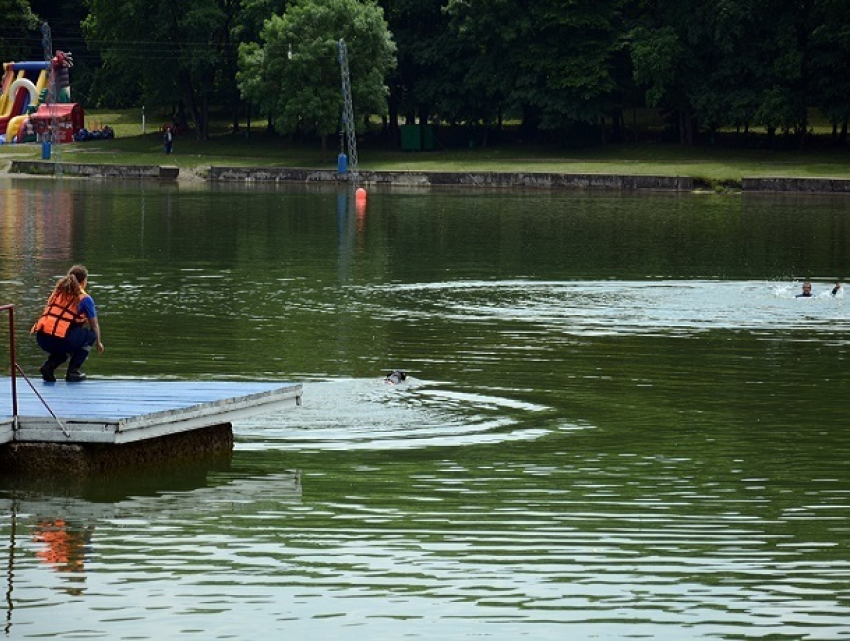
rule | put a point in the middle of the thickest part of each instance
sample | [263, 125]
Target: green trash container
[411, 138]
[428, 136]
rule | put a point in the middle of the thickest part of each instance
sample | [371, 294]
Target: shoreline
[414, 178]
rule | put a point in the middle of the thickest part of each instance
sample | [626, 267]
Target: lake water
[619, 422]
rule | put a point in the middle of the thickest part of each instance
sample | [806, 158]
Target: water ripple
[604, 308]
[370, 414]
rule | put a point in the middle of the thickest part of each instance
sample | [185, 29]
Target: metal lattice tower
[348, 110]
[47, 45]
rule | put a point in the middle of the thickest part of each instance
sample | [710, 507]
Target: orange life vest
[60, 313]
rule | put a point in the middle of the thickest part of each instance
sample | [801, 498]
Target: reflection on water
[64, 547]
[619, 421]
[70, 525]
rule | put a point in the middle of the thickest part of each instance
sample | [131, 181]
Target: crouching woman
[68, 326]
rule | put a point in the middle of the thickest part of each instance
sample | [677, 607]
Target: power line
[132, 45]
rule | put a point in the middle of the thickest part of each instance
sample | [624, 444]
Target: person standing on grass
[68, 326]
[168, 139]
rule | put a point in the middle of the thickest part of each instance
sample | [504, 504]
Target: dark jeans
[77, 343]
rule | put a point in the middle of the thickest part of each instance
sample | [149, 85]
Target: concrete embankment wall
[493, 179]
[465, 179]
[797, 185]
[122, 172]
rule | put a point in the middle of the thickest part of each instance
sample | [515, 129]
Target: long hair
[71, 284]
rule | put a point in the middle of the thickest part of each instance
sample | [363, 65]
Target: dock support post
[13, 363]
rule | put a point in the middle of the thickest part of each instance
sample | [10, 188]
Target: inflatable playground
[26, 111]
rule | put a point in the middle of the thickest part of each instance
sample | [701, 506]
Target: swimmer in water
[807, 291]
[836, 289]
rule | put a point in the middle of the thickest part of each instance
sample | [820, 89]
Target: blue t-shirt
[87, 308]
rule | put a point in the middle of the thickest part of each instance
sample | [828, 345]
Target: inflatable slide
[23, 84]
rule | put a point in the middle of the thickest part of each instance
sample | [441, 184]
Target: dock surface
[115, 411]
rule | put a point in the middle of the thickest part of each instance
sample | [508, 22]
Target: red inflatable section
[69, 120]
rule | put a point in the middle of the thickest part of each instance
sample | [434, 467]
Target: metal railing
[13, 362]
[16, 369]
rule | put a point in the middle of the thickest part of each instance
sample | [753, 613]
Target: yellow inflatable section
[12, 127]
[18, 121]
[7, 99]
[8, 77]
[41, 83]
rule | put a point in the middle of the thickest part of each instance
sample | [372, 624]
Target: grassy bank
[711, 166]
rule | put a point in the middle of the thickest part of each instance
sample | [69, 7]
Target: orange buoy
[360, 202]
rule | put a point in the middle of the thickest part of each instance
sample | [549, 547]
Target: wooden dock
[105, 425]
[117, 411]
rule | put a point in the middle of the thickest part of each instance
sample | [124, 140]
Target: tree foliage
[293, 73]
[163, 51]
[828, 63]
[17, 23]
[431, 62]
[558, 65]
[550, 61]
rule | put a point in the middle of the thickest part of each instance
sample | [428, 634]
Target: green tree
[247, 26]
[829, 64]
[485, 46]
[19, 35]
[164, 52]
[716, 63]
[729, 87]
[785, 25]
[428, 59]
[671, 55]
[293, 75]
[552, 62]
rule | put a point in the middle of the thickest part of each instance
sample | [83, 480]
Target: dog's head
[396, 376]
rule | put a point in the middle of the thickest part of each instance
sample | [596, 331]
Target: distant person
[807, 291]
[68, 326]
[28, 134]
[168, 140]
[836, 289]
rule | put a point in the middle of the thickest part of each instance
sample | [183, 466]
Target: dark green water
[619, 422]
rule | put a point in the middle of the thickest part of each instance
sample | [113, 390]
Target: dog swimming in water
[395, 377]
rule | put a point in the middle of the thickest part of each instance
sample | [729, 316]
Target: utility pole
[348, 111]
[47, 45]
